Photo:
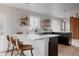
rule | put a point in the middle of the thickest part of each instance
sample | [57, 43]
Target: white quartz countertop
[35, 36]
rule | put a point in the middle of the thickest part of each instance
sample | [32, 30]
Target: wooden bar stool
[12, 41]
[23, 47]
[8, 39]
[20, 47]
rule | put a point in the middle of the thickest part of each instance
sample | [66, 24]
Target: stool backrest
[8, 38]
[13, 41]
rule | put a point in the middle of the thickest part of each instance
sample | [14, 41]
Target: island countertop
[36, 36]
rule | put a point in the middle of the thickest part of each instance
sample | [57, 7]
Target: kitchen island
[44, 45]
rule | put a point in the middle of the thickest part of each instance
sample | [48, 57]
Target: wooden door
[74, 27]
[77, 28]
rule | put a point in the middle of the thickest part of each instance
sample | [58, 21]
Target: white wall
[13, 15]
[5, 17]
[68, 24]
[12, 19]
[56, 25]
[18, 13]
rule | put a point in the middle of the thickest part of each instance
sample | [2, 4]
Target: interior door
[74, 27]
[77, 28]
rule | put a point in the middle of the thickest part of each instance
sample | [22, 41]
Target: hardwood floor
[72, 50]
[63, 50]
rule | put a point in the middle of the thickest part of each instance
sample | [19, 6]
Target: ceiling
[53, 9]
[64, 9]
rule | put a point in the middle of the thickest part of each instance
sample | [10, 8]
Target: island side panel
[41, 47]
[53, 46]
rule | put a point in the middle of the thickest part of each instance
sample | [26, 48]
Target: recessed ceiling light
[65, 10]
[31, 4]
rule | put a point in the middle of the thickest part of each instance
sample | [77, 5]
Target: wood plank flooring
[72, 50]
[63, 50]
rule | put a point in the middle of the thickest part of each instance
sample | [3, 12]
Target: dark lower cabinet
[64, 38]
[53, 46]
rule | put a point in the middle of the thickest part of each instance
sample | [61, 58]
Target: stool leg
[12, 51]
[31, 52]
[21, 53]
[17, 53]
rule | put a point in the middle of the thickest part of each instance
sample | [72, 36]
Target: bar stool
[13, 42]
[8, 39]
[21, 47]
[9, 44]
